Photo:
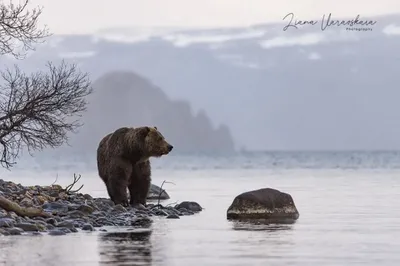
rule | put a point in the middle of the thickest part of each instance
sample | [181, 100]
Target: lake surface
[348, 204]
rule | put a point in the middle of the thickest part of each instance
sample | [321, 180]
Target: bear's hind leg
[133, 188]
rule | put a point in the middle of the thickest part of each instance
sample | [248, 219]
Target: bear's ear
[155, 128]
[143, 132]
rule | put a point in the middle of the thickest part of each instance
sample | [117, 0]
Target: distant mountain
[127, 99]
[297, 89]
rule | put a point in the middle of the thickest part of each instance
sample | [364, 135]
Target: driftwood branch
[68, 189]
[10, 206]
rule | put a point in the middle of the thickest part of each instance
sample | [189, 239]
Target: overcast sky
[82, 16]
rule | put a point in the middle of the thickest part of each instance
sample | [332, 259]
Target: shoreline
[54, 210]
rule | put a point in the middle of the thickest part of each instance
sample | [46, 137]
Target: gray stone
[173, 216]
[76, 214]
[57, 232]
[55, 206]
[265, 203]
[6, 222]
[27, 227]
[119, 208]
[86, 209]
[190, 206]
[88, 227]
[87, 196]
[66, 224]
[154, 193]
[64, 229]
[14, 231]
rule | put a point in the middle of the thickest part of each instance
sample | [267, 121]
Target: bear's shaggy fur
[123, 162]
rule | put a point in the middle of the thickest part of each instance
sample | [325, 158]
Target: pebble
[190, 206]
[88, 227]
[15, 231]
[173, 216]
[75, 211]
[57, 233]
[86, 209]
[66, 224]
[6, 222]
[27, 227]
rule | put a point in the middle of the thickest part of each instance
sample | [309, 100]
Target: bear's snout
[170, 147]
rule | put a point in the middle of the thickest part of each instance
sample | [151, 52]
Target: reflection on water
[126, 248]
[263, 225]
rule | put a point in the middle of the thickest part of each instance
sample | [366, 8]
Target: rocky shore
[54, 210]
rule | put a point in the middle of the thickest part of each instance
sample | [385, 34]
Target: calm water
[348, 204]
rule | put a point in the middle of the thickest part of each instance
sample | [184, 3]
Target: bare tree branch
[19, 25]
[38, 111]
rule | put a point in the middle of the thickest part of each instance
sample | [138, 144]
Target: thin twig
[162, 190]
[55, 180]
[169, 204]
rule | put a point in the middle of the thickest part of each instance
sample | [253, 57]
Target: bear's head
[154, 144]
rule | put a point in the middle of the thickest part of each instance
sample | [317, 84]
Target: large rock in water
[265, 203]
[155, 193]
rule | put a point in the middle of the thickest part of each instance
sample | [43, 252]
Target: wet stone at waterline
[265, 203]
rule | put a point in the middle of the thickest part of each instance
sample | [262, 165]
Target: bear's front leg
[135, 194]
[139, 184]
[118, 192]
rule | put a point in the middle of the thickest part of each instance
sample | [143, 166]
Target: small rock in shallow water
[57, 232]
[173, 216]
[50, 226]
[189, 205]
[65, 230]
[160, 213]
[14, 231]
[4, 232]
[265, 203]
[155, 193]
[141, 221]
[87, 227]
[27, 227]
[6, 222]
[66, 224]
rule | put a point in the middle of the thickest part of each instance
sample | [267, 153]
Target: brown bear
[123, 162]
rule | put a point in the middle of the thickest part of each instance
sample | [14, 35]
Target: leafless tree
[39, 109]
[20, 26]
